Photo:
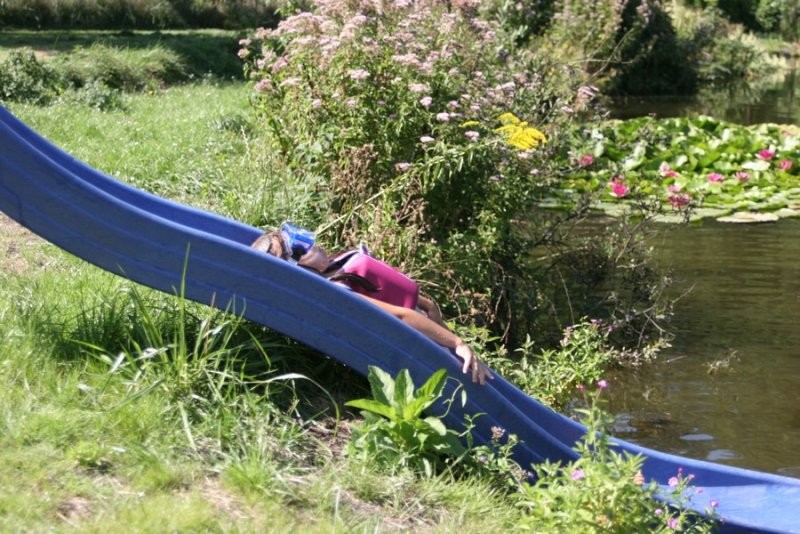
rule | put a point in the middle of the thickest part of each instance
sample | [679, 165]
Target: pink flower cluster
[676, 198]
[618, 187]
[392, 44]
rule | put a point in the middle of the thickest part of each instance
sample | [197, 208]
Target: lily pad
[787, 213]
[749, 217]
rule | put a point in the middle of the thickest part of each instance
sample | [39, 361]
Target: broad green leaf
[436, 424]
[372, 406]
[381, 384]
[432, 387]
[403, 391]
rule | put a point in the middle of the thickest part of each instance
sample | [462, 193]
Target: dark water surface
[778, 102]
[728, 390]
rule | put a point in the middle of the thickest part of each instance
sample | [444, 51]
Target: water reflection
[729, 387]
[772, 102]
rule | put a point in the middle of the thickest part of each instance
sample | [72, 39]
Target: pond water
[776, 102]
[728, 390]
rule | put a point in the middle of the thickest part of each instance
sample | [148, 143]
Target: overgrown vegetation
[397, 128]
[135, 14]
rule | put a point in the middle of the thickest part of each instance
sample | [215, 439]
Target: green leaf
[436, 424]
[403, 391]
[372, 406]
[381, 384]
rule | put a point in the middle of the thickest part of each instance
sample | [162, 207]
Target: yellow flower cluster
[518, 134]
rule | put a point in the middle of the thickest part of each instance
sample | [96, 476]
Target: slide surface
[146, 239]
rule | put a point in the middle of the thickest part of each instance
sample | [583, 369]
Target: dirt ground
[20, 249]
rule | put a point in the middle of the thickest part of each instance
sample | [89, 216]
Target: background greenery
[121, 408]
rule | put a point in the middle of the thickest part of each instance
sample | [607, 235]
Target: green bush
[396, 434]
[130, 14]
[23, 78]
[416, 135]
[124, 69]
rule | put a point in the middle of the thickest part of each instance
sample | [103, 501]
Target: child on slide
[374, 281]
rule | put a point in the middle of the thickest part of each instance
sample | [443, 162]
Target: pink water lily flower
[678, 200]
[785, 164]
[618, 189]
[766, 154]
[666, 171]
[715, 177]
[742, 176]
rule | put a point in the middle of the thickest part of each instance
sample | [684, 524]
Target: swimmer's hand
[471, 363]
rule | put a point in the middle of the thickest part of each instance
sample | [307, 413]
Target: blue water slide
[166, 245]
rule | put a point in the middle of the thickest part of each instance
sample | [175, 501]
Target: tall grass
[122, 408]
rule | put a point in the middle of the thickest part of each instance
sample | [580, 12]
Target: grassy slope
[176, 457]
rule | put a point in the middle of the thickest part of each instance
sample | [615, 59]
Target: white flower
[426, 139]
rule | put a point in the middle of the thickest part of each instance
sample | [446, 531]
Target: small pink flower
[714, 503]
[674, 188]
[742, 176]
[263, 86]
[766, 154]
[425, 139]
[666, 171]
[786, 164]
[618, 189]
[672, 482]
[578, 474]
[580, 387]
[602, 384]
[358, 74]
[472, 135]
[426, 101]
[715, 177]
[659, 511]
[443, 117]
[679, 200]
[586, 160]
[402, 166]
[672, 523]
[243, 53]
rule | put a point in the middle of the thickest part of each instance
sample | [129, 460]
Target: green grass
[194, 143]
[165, 444]
[200, 52]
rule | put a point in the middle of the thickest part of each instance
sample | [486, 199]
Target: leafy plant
[23, 78]
[552, 374]
[395, 432]
[605, 491]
